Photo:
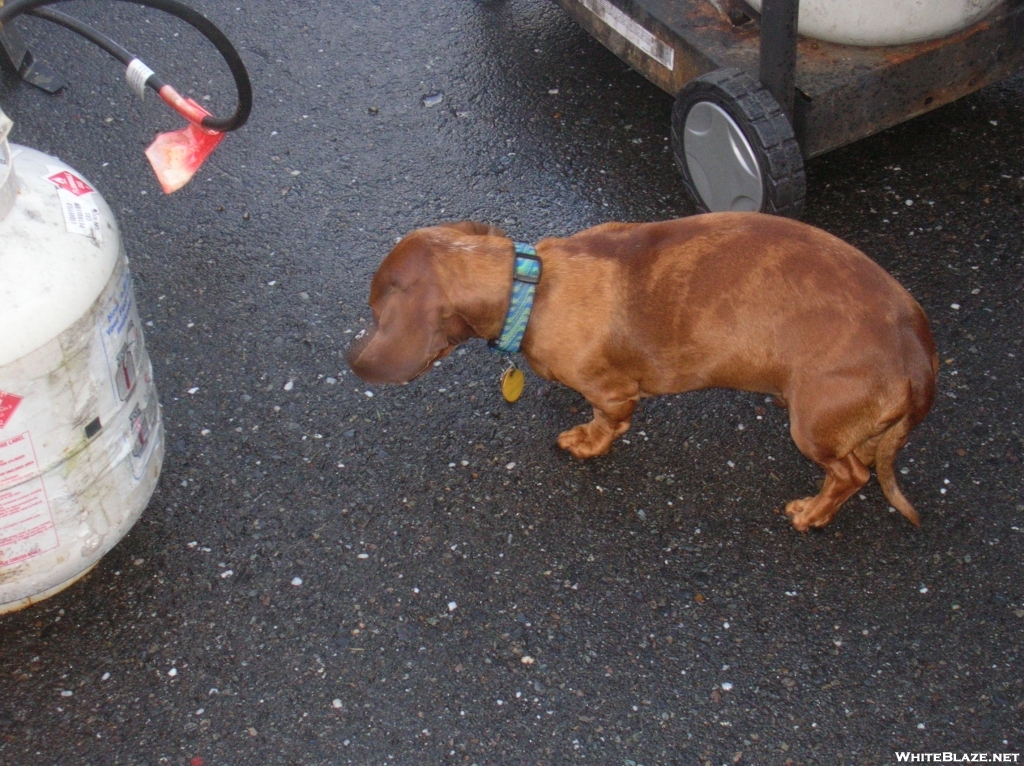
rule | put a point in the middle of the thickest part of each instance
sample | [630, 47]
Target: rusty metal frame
[843, 93]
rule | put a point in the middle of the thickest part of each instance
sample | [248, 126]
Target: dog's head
[415, 318]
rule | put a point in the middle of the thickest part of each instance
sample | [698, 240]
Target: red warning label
[8, 404]
[26, 524]
[68, 181]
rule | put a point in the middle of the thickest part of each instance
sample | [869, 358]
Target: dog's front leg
[611, 419]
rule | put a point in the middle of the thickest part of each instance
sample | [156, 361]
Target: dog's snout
[371, 358]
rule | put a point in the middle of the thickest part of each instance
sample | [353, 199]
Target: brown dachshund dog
[724, 300]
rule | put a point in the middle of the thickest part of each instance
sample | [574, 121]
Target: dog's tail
[921, 397]
[885, 457]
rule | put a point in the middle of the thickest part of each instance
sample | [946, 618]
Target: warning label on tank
[8, 404]
[81, 214]
[119, 333]
[26, 524]
[142, 423]
[68, 181]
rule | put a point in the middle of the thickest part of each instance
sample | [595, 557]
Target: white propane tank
[81, 435]
[886, 22]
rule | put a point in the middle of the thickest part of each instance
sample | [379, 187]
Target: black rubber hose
[177, 9]
[96, 38]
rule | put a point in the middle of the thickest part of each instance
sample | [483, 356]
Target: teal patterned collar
[525, 276]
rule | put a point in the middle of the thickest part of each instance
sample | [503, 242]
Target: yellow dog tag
[512, 382]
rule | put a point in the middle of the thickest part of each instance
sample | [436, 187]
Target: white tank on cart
[81, 435]
[886, 22]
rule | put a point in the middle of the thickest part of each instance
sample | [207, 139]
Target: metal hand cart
[753, 99]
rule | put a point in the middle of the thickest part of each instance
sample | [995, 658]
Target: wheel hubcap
[721, 163]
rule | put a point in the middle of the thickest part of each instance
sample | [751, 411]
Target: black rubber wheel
[735, 148]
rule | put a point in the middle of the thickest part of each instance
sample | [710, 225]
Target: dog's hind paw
[807, 513]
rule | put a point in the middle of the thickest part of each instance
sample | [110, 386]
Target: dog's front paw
[797, 513]
[583, 442]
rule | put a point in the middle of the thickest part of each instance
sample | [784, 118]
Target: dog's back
[745, 301]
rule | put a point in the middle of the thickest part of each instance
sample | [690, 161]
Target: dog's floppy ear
[403, 342]
[471, 227]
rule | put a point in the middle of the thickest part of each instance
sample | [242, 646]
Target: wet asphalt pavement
[469, 593]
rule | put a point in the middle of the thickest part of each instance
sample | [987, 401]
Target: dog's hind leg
[843, 477]
[822, 435]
